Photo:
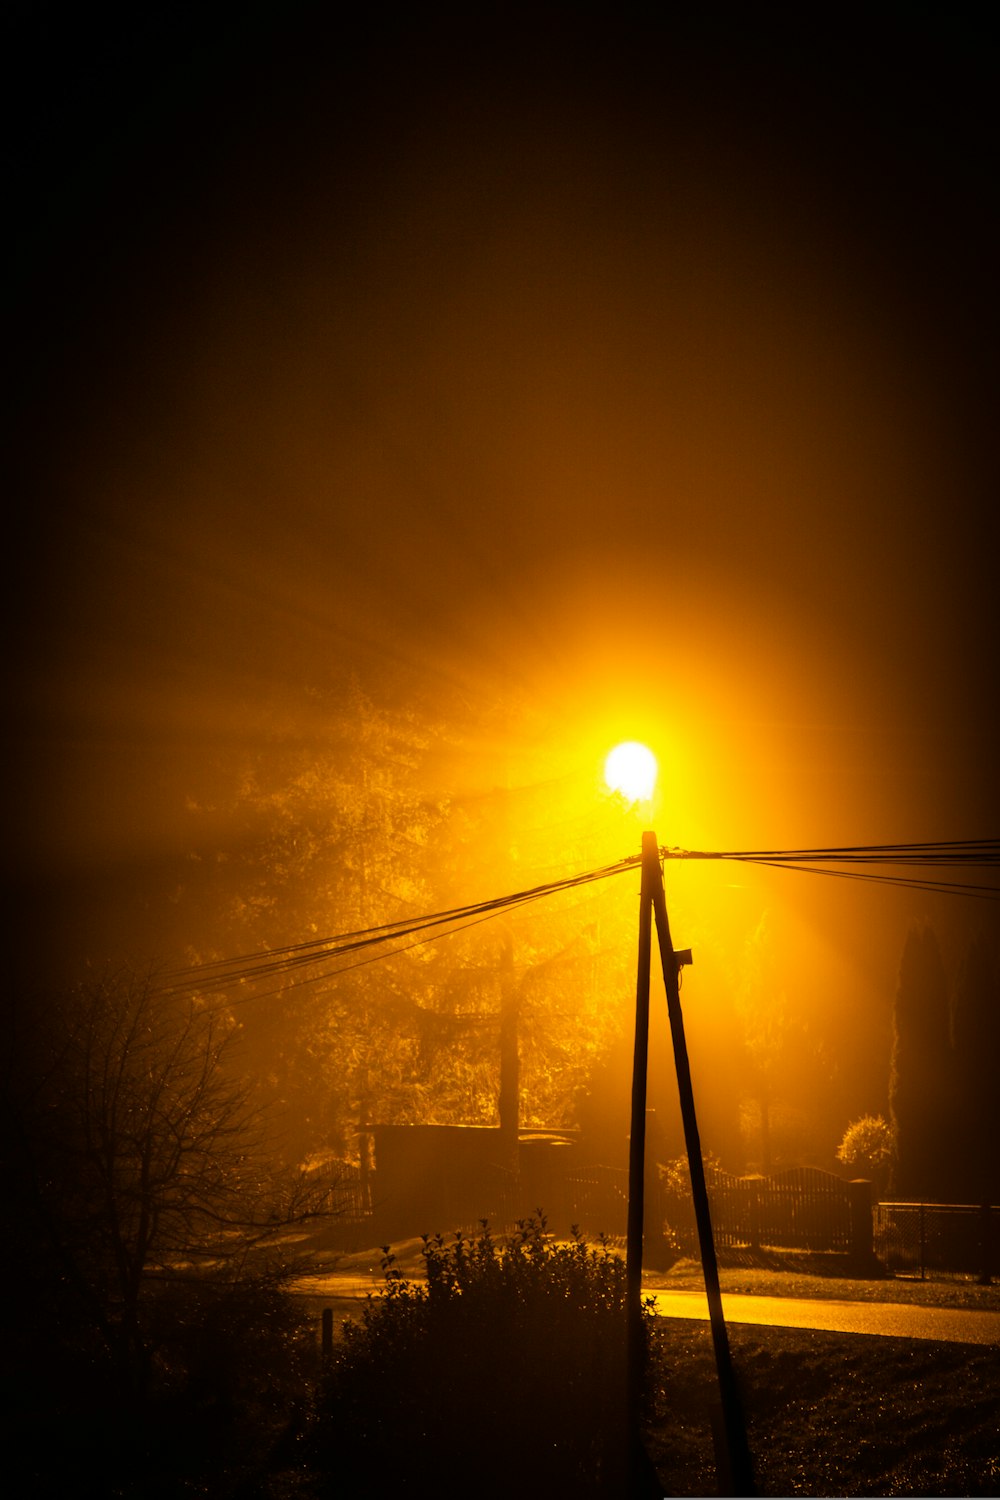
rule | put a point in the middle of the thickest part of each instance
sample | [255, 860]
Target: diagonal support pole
[733, 1450]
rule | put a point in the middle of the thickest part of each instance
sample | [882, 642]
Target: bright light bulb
[631, 769]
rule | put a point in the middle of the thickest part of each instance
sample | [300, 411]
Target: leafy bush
[506, 1368]
[868, 1146]
[680, 1229]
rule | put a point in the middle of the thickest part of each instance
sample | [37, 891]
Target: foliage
[868, 1146]
[943, 1098]
[506, 1366]
[329, 837]
[342, 834]
[680, 1230]
[675, 1175]
[976, 1042]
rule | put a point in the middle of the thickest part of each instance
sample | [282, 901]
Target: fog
[559, 379]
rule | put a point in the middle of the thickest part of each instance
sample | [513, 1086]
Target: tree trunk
[764, 1105]
[510, 1062]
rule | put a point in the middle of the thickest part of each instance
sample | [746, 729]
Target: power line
[980, 854]
[943, 887]
[221, 973]
[967, 852]
[248, 968]
[362, 963]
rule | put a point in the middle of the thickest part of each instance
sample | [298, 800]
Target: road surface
[892, 1319]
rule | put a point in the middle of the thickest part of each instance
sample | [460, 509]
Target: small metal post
[985, 1245]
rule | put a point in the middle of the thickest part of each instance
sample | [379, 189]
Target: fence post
[754, 1186]
[327, 1341]
[862, 1229]
[986, 1245]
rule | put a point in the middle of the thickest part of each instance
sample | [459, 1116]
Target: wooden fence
[350, 1191]
[800, 1208]
[597, 1200]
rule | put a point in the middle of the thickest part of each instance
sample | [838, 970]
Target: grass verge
[795, 1273]
[831, 1414]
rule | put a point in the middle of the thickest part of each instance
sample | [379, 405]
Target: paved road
[953, 1325]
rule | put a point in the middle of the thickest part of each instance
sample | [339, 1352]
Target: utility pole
[636, 1193]
[732, 1451]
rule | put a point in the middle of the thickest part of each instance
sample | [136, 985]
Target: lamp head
[630, 769]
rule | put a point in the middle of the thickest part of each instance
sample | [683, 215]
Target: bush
[680, 1229]
[506, 1369]
[868, 1146]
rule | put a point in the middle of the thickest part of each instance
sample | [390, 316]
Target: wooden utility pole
[637, 1145]
[732, 1450]
[638, 1468]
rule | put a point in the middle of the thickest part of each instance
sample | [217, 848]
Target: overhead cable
[223, 974]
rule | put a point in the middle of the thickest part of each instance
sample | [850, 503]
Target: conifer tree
[976, 1042]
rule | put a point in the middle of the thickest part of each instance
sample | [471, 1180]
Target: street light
[631, 769]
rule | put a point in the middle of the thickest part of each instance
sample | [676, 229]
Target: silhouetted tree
[138, 1167]
[976, 1042]
[920, 1080]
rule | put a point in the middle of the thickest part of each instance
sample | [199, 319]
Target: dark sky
[634, 362]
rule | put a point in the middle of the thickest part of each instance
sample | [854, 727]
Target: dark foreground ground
[832, 1414]
[827, 1415]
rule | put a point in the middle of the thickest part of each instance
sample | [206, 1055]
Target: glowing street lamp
[630, 769]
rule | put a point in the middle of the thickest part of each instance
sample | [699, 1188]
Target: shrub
[506, 1368]
[680, 1229]
[868, 1146]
